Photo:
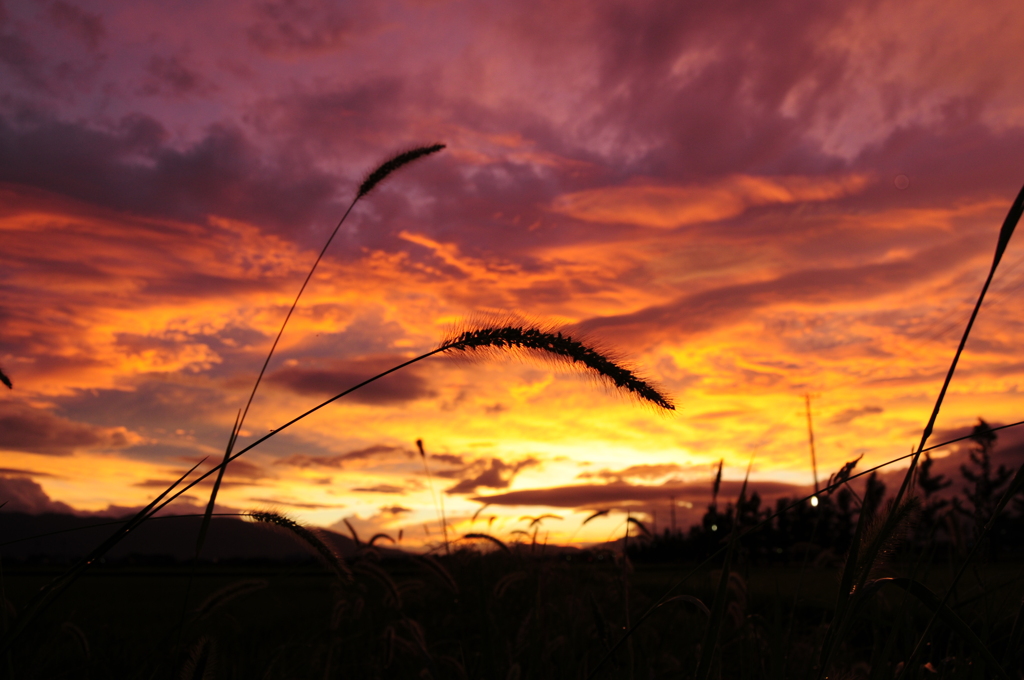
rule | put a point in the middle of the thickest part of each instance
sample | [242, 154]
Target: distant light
[714, 527]
[814, 501]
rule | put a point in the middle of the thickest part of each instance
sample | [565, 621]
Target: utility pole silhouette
[810, 437]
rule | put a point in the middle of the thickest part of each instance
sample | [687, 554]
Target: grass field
[500, 616]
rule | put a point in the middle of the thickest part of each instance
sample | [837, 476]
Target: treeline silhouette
[822, 528]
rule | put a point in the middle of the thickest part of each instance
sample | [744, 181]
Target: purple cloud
[33, 430]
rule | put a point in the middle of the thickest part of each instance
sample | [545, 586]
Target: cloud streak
[667, 207]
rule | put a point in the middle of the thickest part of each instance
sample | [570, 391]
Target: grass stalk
[1006, 231]
[52, 590]
[1015, 487]
[709, 645]
[368, 184]
[438, 504]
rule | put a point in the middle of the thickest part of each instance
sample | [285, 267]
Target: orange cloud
[667, 207]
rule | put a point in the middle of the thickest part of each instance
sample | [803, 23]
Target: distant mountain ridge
[59, 537]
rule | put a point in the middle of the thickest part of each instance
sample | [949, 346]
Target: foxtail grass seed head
[378, 175]
[487, 537]
[306, 536]
[558, 345]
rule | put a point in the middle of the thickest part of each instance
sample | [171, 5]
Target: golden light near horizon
[742, 242]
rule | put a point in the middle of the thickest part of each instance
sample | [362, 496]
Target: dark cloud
[720, 306]
[375, 451]
[495, 475]
[83, 25]
[959, 155]
[170, 75]
[849, 415]
[633, 471]
[380, 488]
[243, 468]
[20, 56]
[33, 430]
[21, 494]
[208, 482]
[447, 458]
[25, 473]
[296, 504]
[221, 174]
[398, 387]
[238, 468]
[395, 510]
[604, 495]
[290, 27]
[160, 410]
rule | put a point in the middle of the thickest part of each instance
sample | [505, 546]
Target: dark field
[495, 615]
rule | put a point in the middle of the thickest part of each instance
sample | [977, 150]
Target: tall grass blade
[939, 609]
[435, 567]
[846, 580]
[709, 645]
[717, 483]
[438, 504]
[810, 439]
[381, 535]
[477, 513]
[52, 590]
[487, 537]
[205, 526]
[393, 596]
[199, 664]
[696, 602]
[1006, 231]
[352, 530]
[1016, 633]
[375, 177]
[639, 525]
[1016, 486]
[871, 540]
[5, 380]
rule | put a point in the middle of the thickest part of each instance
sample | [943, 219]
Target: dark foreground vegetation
[486, 609]
[500, 616]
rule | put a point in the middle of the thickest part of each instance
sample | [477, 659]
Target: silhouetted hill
[54, 537]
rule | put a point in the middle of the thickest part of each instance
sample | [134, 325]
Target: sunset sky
[748, 202]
